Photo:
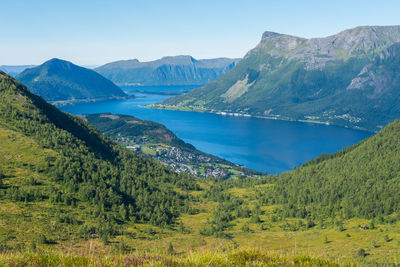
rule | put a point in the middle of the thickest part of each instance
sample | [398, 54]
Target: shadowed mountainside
[59, 80]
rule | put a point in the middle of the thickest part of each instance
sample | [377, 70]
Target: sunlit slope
[362, 180]
[55, 165]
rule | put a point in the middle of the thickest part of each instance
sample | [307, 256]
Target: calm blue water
[270, 146]
[177, 88]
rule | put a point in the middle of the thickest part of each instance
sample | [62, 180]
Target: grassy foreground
[207, 258]
[71, 197]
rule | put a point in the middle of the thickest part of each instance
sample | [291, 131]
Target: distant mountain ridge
[172, 70]
[348, 79]
[60, 80]
[14, 70]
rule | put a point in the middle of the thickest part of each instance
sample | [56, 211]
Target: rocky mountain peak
[365, 38]
[350, 78]
[316, 52]
[268, 34]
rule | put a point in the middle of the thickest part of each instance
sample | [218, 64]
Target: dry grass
[252, 257]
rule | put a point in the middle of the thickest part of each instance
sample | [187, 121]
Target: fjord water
[270, 146]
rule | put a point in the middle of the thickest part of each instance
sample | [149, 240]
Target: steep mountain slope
[361, 181]
[178, 70]
[14, 70]
[346, 79]
[61, 167]
[59, 80]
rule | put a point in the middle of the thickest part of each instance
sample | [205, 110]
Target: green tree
[33, 246]
[123, 212]
[361, 253]
[170, 249]
[43, 239]
[246, 228]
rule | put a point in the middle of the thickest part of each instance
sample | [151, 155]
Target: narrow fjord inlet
[199, 133]
[269, 146]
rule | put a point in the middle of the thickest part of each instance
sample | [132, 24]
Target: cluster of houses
[187, 162]
[200, 172]
[197, 164]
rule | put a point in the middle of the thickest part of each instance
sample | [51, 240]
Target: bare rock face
[268, 34]
[380, 75]
[317, 52]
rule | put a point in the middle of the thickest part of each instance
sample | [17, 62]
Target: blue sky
[99, 31]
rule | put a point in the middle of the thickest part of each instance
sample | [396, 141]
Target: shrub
[170, 248]
[43, 239]
[33, 246]
[371, 225]
[246, 228]
[361, 253]
[255, 219]
[3, 247]
[104, 238]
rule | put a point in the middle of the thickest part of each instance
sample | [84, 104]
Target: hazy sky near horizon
[93, 32]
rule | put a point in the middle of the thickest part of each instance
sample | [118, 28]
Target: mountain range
[349, 79]
[59, 80]
[175, 70]
[14, 70]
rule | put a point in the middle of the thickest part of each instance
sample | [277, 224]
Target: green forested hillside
[115, 125]
[360, 181]
[58, 162]
[345, 203]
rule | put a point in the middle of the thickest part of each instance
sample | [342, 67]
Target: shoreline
[223, 113]
[62, 103]
[171, 93]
